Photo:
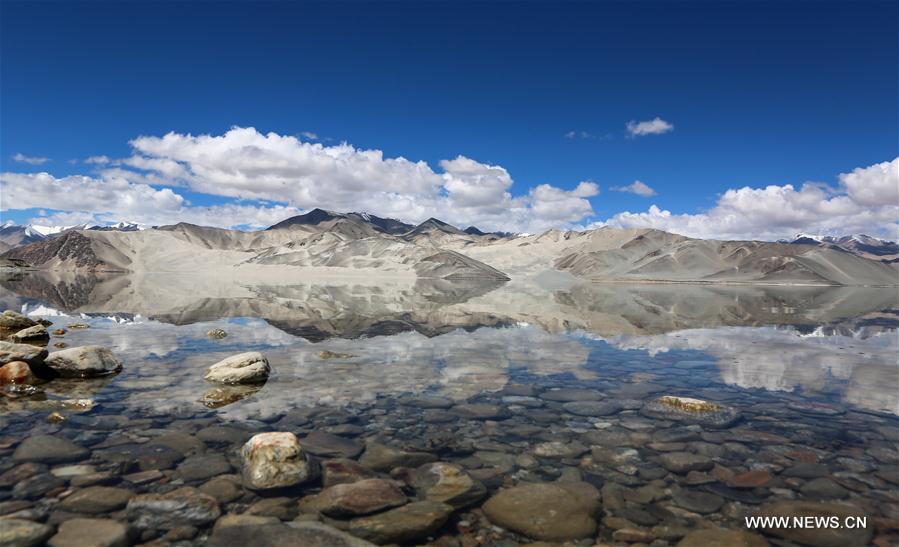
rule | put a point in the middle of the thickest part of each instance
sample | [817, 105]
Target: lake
[516, 383]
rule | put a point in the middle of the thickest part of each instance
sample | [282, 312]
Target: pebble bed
[584, 457]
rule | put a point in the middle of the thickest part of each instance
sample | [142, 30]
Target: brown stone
[18, 372]
[751, 479]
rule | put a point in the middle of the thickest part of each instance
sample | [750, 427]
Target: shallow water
[811, 371]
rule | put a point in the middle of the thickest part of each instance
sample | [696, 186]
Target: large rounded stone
[381, 457]
[83, 532]
[18, 372]
[447, 483]
[33, 333]
[817, 536]
[691, 411]
[96, 499]
[49, 449]
[11, 320]
[722, 538]
[23, 533]
[567, 395]
[32, 355]
[184, 506]
[480, 411]
[593, 408]
[244, 368]
[684, 462]
[306, 534]
[343, 471]
[327, 445]
[546, 511]
[404, 524]
[358, 498]
[274, 460]
[84, 362]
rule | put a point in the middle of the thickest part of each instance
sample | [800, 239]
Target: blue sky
[757, 93]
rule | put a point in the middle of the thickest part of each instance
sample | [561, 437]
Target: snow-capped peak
[49, 230]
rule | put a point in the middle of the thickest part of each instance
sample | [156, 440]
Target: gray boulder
[84, 362]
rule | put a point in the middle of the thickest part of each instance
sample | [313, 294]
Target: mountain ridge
[361, 244]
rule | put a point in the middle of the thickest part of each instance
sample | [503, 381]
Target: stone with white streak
[244, 368]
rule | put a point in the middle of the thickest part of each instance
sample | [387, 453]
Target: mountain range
[324, 243]
[15, 235]
[860, 244]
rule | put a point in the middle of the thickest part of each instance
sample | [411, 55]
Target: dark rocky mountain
[316, 217]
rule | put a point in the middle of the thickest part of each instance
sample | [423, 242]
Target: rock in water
[18, 372]
[357, 498]
[220, 396]
[184, 506]
[817, 536]
[447, 483]
[32, 355]
[216, 334]
[546, 511]
[306, 534]
[379, 457]
[694, 411]
[80, 532]
[49, 449]
[96, 499]
[11, 320]
[722, 538]
[84, 362]
[244, 368]
[327, 445]
[404, 524]
[23, 533]
[37, 332]
[274, 460]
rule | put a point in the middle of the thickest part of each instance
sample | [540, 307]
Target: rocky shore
[627, 459]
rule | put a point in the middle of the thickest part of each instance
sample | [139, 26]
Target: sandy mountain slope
[609, 254]
[327, 243]
[335, 246]
[861, 245]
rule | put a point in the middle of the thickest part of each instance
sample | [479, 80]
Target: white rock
[244, 368]
[274, 460]
[84, 362]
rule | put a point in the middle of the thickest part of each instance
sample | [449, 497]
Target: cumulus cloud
[246, 164]
[637, 187]
[655, 126]
[298, 175]
[309, 135]
[82, 199]
[31, 160]
[97, 160]
[865, 201]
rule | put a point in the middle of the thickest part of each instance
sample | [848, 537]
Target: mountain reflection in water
[457, 339]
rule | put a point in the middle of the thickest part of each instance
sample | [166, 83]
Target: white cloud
[296, 175]
[874, 185]
[81, 199]
[866, 201]
[571, 135]
[309, 135]
[637, 187]
[31, 160]
[655, 126]
[97, 160]
[246, 164]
